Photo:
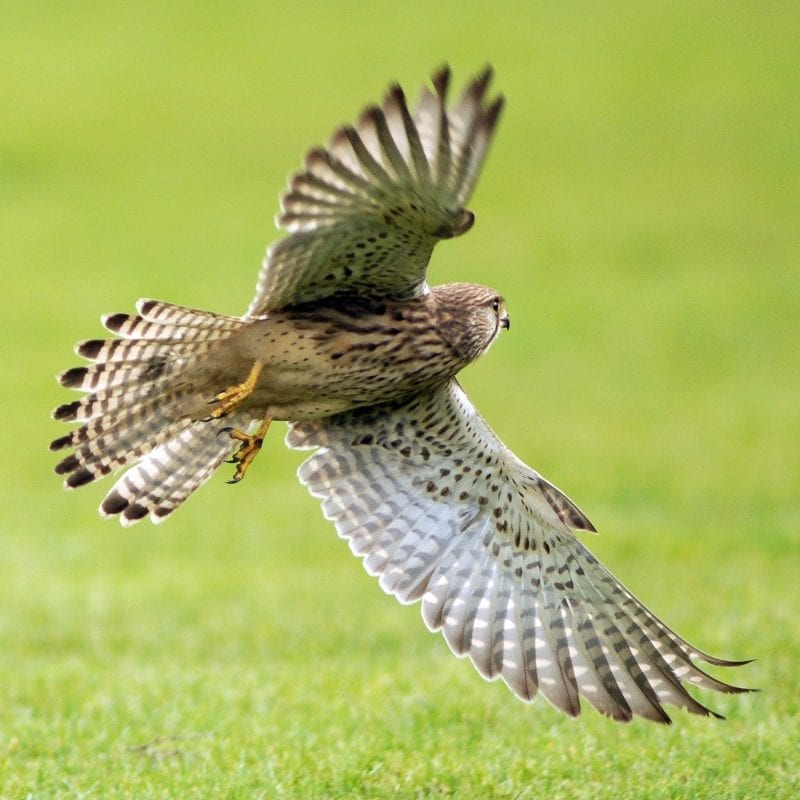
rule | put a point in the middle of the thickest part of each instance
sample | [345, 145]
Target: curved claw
[251, 444]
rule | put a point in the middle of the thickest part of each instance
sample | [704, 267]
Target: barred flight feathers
[442, 512]
[364, 215]
[172, 471]
[133, 410]
[347, 342]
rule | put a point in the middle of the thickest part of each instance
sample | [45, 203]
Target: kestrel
[347, 342]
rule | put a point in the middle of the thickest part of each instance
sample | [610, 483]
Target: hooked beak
[505, 321]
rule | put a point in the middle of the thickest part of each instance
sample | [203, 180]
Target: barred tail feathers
[134, 410]
[172, 471]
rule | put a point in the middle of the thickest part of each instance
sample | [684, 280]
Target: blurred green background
[640, 212]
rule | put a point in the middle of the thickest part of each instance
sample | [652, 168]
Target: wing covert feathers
[364, 214]
[440, 511]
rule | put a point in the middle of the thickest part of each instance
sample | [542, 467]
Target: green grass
[640, 212]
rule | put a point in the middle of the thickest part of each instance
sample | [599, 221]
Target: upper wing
[365, 214]
[441, 510]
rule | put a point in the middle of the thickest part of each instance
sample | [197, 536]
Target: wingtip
[732, 689]
[441, 80]
[371, 115]
[395, 94]
[481, 82]
[722, 662]
[317, 156]
[494, 112]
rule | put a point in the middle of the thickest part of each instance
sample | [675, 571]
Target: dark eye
[496, 304]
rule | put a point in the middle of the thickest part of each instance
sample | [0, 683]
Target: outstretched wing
[442, 511]
[365, 214]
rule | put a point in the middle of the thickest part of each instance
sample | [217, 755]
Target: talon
[226, 429]
[251, 444]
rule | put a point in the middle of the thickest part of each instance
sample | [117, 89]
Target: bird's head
[470, 317]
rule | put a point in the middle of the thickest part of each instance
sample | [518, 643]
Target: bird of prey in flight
[347, 341]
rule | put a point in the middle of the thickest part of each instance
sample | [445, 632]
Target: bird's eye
[496, 304]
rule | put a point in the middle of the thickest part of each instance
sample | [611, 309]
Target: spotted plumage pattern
[441, 511]
[346, 341]
[365, 214]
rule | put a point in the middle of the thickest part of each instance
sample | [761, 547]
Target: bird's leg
[234, 395]
[230, 399]
[251, 444]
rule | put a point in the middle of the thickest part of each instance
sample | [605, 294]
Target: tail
[135, 410]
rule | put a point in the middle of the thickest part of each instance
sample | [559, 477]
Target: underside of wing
[442, 512]
[365, 213]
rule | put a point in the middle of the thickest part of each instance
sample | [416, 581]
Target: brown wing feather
[365, 214]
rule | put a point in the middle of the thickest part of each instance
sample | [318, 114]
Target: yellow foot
[234, 395]
[251, 444]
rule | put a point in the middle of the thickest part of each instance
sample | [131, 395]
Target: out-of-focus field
[639, 211]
